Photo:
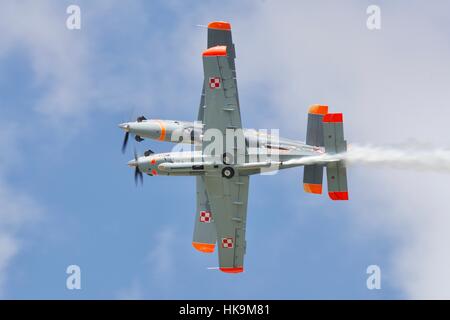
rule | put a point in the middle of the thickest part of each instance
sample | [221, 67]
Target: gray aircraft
[222, 172]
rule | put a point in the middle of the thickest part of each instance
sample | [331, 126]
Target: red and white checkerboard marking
[214, 83]
[205, 216]
[227, 243]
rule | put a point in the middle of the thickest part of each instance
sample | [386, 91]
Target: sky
[68, 198]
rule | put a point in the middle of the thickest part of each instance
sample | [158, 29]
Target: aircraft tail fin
[333, 134]
[313, 174]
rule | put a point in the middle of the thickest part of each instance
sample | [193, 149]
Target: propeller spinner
[126, 128]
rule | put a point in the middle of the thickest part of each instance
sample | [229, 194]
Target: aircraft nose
[133, 163]
[124, 126]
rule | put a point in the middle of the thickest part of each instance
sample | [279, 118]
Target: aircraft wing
[205, 235]
[219, 34]
[221, 105]
[227, 197]
[228, 200]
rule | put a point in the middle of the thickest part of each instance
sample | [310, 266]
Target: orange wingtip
[312, 188]
[333, 117]
[338, 195]
[220, 51]
[204, 247]
[221, 25]
[232, 270]
[318, 109]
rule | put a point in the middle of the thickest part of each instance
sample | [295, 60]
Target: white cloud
[9, 152]
[76, 74]
[75, 70]
[17, 211]
[161, 258]
[57, 56]
[8, 249]
[391, 85]
[134, 292]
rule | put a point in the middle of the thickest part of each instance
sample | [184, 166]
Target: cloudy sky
[67, 196]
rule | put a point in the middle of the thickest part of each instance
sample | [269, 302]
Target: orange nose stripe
[154, 172]
[163, 130]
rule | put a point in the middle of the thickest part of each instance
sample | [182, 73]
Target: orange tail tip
[312, 188]
[204, 247]
[318, 109]
[218, 51]
[333, 117]
[338, 195]
[232, 270]
[221, 25]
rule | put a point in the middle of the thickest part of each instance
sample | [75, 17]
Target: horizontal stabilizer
[312, 178]
[337, 181]
[333, 132]
[313, 173]
[314, 129]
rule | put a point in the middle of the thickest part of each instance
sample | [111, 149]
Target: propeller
[125, 141]
[137, 172]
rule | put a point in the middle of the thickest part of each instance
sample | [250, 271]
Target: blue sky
[67, 196]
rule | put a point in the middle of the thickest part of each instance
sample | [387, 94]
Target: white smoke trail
[417, 158]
